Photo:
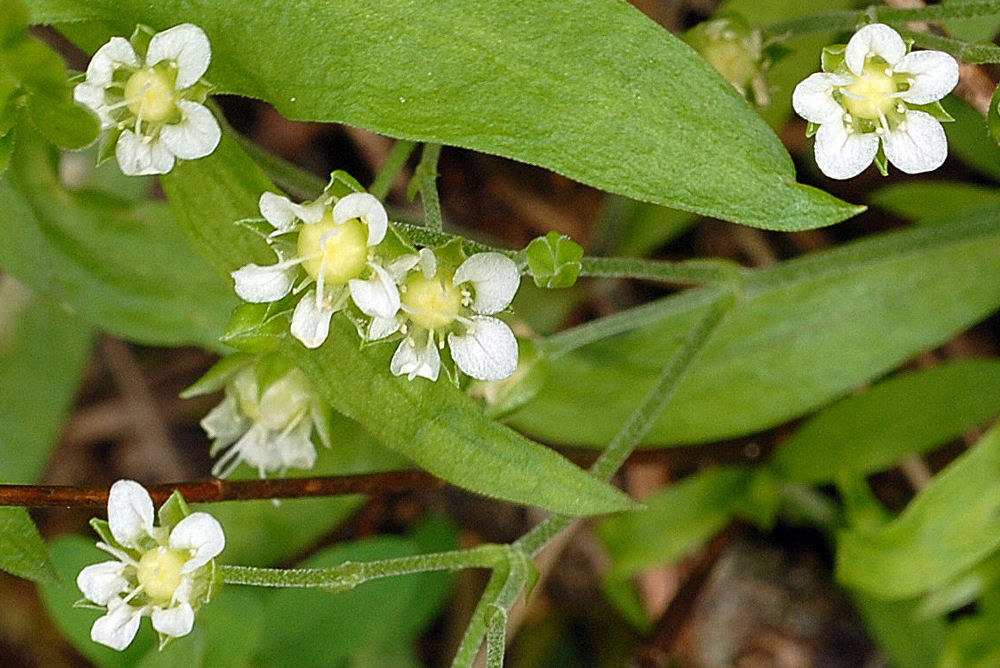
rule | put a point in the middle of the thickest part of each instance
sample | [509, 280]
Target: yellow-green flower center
[870, 96]
[431, 304]
[150, 95]
[341, 251]
[159, 573]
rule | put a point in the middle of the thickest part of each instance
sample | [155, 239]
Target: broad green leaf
[972, 641]
[978, 29]
[124, 268]
[431, 423]
[805, 332]
[588, 88]
[22, 552]
[921, 201]
[371, 625]
[43, 353]
[629, 228]
[947, 528]
[911, 413]
[675, 521]
[909, 642]
[969, 140]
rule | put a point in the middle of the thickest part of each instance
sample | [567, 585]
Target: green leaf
[969, 140]
[908, 642]
[603, 94]
[629, 228]
[372, 625]
[805, 332]
[554, 260]
[124, 268]
[950, 526]
[934, 201]
[432, 423]
[22, 552]
[6, 149]
[63, 123]
[43, 353]
[911, 413]
[675, 521]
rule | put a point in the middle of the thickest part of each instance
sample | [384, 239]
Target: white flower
[436, 308]
[153, 102]
[161, 572]
[870, 96]
[270, 428]
[335, 248]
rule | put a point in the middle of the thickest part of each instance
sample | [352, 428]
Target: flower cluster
[164, 572]
[268, 416]
[335, 254]
[874, 92]
[149, 95]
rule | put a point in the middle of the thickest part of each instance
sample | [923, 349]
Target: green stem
[400, 153]
[690, 272]
[839, 20]
[350, 574]
[478, 625]
[496, 632]
[426, 177]
[974, 54]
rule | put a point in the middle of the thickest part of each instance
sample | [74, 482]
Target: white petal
[196, 135]
[401, 265]
[102, 66]
[919, 145]
[102, 582]
[382, 327]
[130, 512]
[93, 97]
[277, 210]
[310, 322]
[117, 628]
[487, 350]
[412, 361]
[296, 448]
[138, 158]
[200, 533]
[175, 621]
[310, 212]
[187, 45]
[813, 99]
[225, 423]
[935, 73]
[878, 39]
[368, 209]
[841, 155]
[428, 263]
[377, 296]
[493, 276]
[260, 285]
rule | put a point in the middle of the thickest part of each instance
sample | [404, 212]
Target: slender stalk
[690, 272]
[496, 632]
[350, 574]
[426, 176]
[974, 54]
[478, 625]
[847, 19]
[400, 153]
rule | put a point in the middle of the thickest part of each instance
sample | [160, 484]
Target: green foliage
[43, 352]
[934, 201]
[948, 527]
[802, 334]
[909, 414]
[121, 266]
[644, 134]
[554, 260]
[22, 552]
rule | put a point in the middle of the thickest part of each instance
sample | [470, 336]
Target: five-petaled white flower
[873, 91]
[271, 427]
[163, 572]
[437, 305]
[335, 248]
[153, 103]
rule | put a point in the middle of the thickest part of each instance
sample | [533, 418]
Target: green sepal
[216, 378]
[255, 328]
[811, 129]
[934, 109]
[322, 415]
[107, 144]
[449, 256]
[881, 162]
[269, 369]
[993, 116]
[198, 91]
[103, 531]
[554, 260]
[173, 510]
[503, 397]
[395, 244]
[342, 184]
[88, 605]
[140, 39]
[833, 57]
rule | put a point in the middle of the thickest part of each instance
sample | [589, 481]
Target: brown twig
[205, 491]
